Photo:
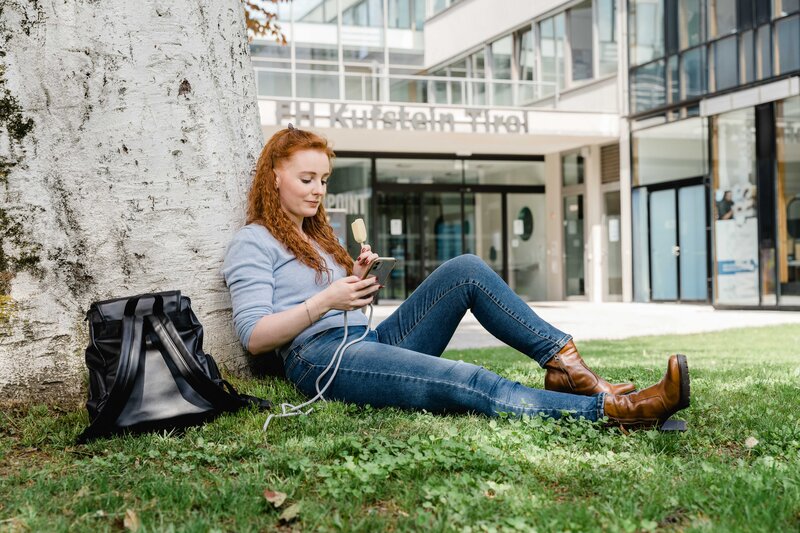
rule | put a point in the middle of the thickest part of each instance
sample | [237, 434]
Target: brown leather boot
[652, 406]
[566, 372]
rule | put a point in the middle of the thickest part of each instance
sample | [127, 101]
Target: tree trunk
[128, 134]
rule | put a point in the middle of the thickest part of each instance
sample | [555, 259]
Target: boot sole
[685, 391]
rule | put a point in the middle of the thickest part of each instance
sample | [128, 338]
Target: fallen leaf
[750, 442]
[131, 521]
[290, 513]
[274, 497]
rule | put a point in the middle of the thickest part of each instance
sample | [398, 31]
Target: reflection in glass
[501, 70]
[527, 67]
[349, 189]
[551, 45]
[736, 225]
[580, 31]
[574, 246]
[398, 235]
[572, 169]
[607, 36]
[441, 229]
[725, 63]
[721, 17]
[692, 242]
[272, 83]
[483, 230]
[693, 73]
[663, 245]
[477, 66]
[641, 245]
[670, 152]
[673, 80]
[690, 23]
[647, 86]
[527, 251]
[646, 30]
[746, 55]
[788, 155]
[763, 53]
[787, 45]
[612, 237]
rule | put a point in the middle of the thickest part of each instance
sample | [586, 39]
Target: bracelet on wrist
[308, 312]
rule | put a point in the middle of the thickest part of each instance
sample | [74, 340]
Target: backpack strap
[175, 348]
[127, 366]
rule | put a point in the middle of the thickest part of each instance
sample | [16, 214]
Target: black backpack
[148, 371]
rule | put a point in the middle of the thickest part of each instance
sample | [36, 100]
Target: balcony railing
[403, 89]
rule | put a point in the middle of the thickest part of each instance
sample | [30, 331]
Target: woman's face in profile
[301, 181]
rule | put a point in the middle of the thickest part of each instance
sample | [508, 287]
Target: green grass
[363, 469]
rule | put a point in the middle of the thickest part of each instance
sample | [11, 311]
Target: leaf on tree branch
[261, 22]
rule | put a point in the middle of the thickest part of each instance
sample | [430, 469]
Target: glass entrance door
[678, 249]
[398, 235]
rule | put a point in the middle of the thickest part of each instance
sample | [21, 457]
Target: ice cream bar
[359, 230]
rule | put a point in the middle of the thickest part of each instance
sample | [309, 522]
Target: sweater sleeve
[248, 272]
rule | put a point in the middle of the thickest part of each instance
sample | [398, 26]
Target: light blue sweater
[264, 278]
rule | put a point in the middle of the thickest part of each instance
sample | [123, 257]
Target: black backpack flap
[187, 365]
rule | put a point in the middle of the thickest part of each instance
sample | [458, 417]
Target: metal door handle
[676, 250]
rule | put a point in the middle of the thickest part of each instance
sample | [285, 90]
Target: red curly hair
[264, 205]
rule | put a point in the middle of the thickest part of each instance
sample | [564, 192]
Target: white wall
[471, 22]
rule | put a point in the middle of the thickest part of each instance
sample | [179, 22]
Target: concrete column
[555, 227]
[626, 222]
[593, 220]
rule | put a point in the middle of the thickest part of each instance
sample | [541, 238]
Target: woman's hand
[363, 261]
[348, 294]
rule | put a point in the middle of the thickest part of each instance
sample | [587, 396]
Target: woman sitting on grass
[291, 283]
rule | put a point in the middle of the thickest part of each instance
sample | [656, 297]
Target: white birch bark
[128, 134]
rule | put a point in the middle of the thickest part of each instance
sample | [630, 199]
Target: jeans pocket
[297, 369]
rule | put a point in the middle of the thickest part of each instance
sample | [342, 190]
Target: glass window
[763, 11]
[349, 190]
[671, 27]
[763, 52]
[419, 170]
[725, 61]
[736, 224]
[364, 13]
[580, 31]
[673, 81]
[501, 70]
[670, 152]
[400, 15]
[721, 17]
[646, 30]
[787, 45]
[746, 57]
[693, 73]
[607, 36]
[477, 64]
[527, 69]
[272, 83]
[785, 7]
[504, 172]
[313, 11]
[788, 154]
[647, 87]
[572, 169]
[690, 23]
[551, 35]
[574, 246]
[641, 245]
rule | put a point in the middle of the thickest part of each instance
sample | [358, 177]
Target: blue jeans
[398, 364]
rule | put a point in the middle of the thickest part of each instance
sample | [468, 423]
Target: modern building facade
[606, 150]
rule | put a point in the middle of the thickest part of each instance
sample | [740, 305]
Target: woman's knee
[468, 263]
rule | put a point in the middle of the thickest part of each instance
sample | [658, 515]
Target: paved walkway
[585, 320]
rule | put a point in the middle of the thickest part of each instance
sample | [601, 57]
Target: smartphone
[380, 268]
